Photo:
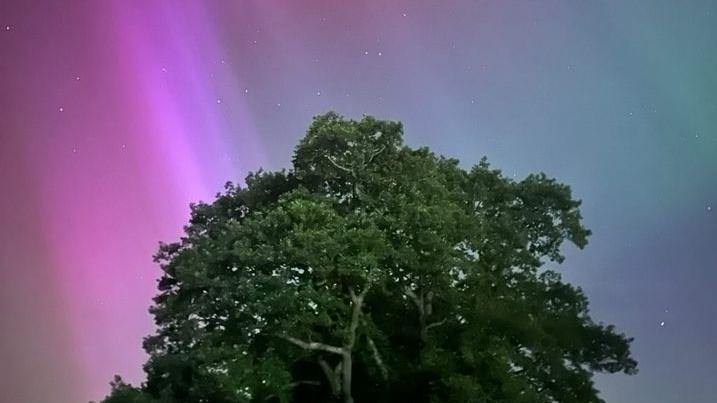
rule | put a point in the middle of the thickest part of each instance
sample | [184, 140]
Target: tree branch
[357, 302]
[436, 324]
[429, 303]
[333, 375]
[419, 304]
[297, 383]
[339, 378]
[375, 154]
[377, 358]
[337, 165]
[425, 309]
[312, 345]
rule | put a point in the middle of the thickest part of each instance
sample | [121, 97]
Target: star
[62, 109]
[709, 208]
[662, 324]
[380, 54]
[365, 53]
[77, 78]
[219, 101]
[404, 14]
[7, 27]
[318, 93]
[246, 90]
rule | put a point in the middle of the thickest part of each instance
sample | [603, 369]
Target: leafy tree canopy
[374, 272]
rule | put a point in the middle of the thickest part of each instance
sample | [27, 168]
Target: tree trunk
[347, 366]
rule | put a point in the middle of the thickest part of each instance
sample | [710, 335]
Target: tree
[371, 271]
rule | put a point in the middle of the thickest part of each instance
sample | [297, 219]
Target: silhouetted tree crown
[374, 272]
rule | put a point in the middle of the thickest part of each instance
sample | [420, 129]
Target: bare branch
[333, 376]
[375, 154]
[520, 371]
[297, 383]
[412, 295]
[357, 301]
[429, 303]
[353, 296]
[436, 324]
[312, 345]
[337, 165]
[416, 300]
[377, 358]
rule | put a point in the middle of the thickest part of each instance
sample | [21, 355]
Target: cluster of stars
[318, 92]
[366, 53]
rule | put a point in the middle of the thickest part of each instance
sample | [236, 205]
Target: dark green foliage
[125, 393]
[374, 272]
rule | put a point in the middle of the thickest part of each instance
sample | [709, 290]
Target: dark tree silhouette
[373, 272]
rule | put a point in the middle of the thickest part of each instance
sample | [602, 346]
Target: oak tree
[374, 272]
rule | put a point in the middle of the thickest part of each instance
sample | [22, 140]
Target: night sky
[115, 115]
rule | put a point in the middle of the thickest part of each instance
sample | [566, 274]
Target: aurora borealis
[115, 115]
